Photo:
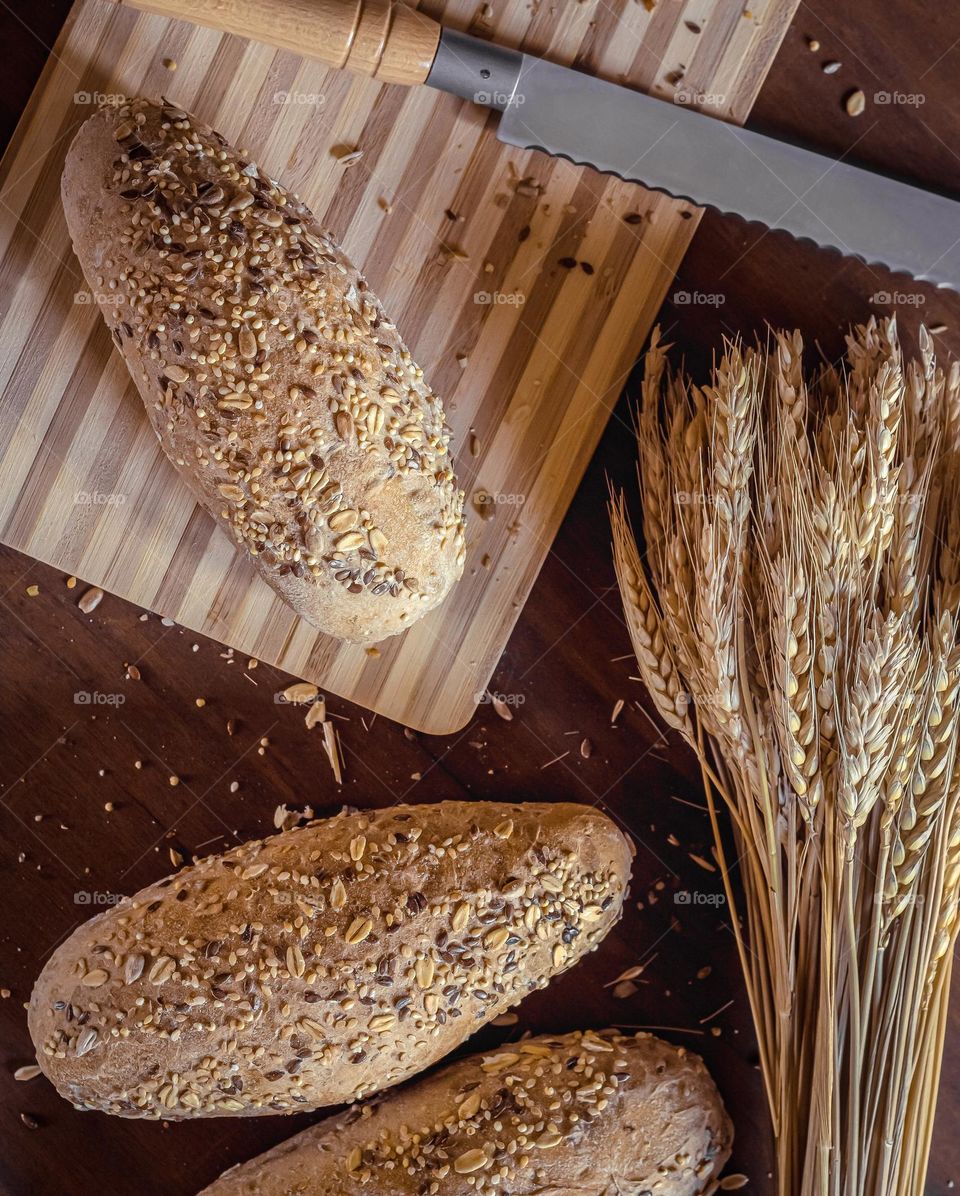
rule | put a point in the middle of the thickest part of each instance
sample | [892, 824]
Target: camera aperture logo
[698, 298]
[101, 99]
[686, 98]
[499, 298]
[302, 99]
[489, 697]
[899, 298]
[107, 299]
[98, 498]
[85, 897]
[499, 99]
[698, 897]
[907, 99]
[88, 697]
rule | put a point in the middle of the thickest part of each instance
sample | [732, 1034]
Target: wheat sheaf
[794, 605]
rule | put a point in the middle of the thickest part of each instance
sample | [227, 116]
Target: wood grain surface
[566, 665]
[524, 286]
[385, 39]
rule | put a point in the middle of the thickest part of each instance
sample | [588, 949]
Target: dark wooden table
[78, 818]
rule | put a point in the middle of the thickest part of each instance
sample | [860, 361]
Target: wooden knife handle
[388, 41]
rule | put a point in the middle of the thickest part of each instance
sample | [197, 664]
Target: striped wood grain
[435, 212]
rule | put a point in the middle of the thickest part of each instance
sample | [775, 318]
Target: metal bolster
[476, 70]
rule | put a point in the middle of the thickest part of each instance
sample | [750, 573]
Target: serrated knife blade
[568, 113]
[676, 149]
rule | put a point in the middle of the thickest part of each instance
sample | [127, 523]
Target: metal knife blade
[691, 156]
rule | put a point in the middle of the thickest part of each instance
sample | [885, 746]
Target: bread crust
[594, 1114]
[274, 380]
[325, 963]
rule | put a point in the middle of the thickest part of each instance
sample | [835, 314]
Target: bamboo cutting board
[524, 286]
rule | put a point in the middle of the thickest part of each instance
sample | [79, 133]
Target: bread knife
[661, 145]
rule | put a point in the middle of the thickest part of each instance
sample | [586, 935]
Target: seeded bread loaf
[323, 964]
[594, 1114]
[275, 382]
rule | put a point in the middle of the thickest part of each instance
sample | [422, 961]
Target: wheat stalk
[795, 617]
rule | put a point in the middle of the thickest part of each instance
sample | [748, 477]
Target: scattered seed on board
[347, 155]
[301, 692]
[91, 600]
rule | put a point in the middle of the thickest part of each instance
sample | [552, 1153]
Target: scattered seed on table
[855, 103]
[831, 68]
[91, 600]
